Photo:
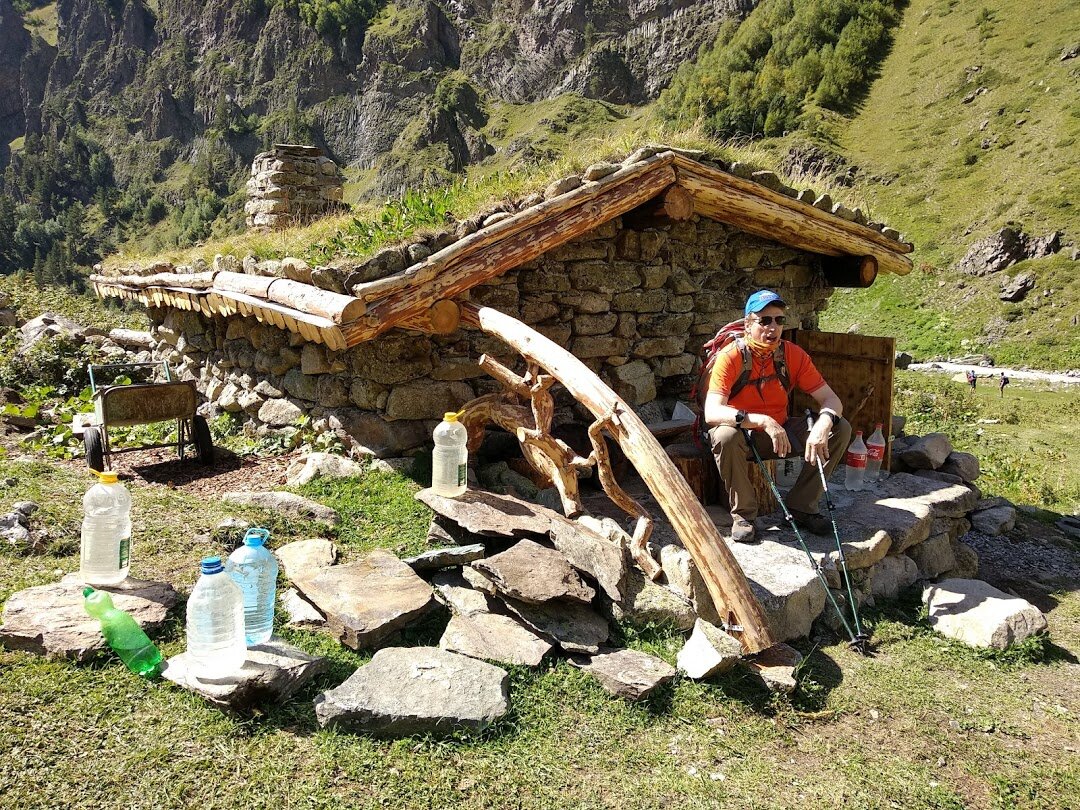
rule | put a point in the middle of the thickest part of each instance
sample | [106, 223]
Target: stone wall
[291, 185]
[635, 306]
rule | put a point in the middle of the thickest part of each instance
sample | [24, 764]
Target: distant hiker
[1002, 382]
[971, 378]
[748, 390]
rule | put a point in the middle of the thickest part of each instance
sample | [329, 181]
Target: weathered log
[194, 281]
[760, 211]
[674, 205]
[850, 271]
[463, 270]
[293, 294]
[453, 254]
[724, 579]
[441, 319]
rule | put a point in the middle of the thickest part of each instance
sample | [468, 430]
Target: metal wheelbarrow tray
[142, 404]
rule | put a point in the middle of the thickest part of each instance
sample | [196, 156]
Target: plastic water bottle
[123, 633]
[855, 461]
[450, 459]
[255, 570]
[875, 453]
[105, 548]
[215, 624]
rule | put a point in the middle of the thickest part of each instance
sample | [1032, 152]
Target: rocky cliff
[180, 80]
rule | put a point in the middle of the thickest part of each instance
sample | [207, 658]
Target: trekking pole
[798, 535]
[861, 638]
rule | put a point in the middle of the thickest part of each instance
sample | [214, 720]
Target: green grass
[925, 171]
[926, 723]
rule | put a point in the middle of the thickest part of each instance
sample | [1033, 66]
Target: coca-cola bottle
[875, 453]
[855, 462]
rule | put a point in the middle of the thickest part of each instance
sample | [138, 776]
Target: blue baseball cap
[761, 299]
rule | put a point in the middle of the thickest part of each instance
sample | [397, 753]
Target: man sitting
[754, 396]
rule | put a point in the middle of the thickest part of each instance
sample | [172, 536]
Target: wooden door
[859, 368]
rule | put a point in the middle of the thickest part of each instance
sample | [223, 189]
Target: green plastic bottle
[123, 633]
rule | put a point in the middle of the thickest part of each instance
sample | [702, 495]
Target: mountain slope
[974, 123]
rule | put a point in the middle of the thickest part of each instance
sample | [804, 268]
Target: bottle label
[462, 473]
[875, 452]
[125, 552]
[856, 460]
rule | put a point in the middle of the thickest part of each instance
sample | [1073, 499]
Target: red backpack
[734, 331]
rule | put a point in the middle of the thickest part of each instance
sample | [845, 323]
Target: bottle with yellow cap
[450, 459]
[105, 550]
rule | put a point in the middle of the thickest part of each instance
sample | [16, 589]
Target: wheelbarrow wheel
[204, 444]
[94, 442]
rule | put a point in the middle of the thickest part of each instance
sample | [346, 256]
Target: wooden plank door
[859, 368]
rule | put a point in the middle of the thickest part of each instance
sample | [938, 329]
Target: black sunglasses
[767, 320]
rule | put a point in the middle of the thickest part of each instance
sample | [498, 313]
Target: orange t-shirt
[770, 398]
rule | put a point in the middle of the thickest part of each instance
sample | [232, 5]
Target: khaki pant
[731, 453]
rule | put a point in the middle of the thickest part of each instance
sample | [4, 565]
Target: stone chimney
[291, 185]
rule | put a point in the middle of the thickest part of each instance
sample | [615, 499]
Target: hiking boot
[742, 530]
[812, 522]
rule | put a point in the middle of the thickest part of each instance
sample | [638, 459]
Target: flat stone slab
[784, 583]
[979, 615]
[628, 674]
[591, 552]
[274, 672]
[486, 513]
[304, 557]
[492, 637]
[709, 651]
[450, 557]
[366, 601]
[453, 590]
[947, 500]
[994, 521]
[572, 625]
[776, 667]
[286, 503]
[50, 619]
[530, 572]
[321, 465]
[644, 602]
[417, 690]
[301, 612]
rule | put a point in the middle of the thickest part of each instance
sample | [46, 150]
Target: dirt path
[993, 372]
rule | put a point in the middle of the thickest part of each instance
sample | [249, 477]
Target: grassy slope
[924, 724]
[944, 190]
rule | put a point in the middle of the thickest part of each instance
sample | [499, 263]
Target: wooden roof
[418, 296]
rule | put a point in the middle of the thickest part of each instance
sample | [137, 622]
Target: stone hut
[290, 185]
[630, 266]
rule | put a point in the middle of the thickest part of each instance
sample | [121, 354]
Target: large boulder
[979, 615]
[419, 690]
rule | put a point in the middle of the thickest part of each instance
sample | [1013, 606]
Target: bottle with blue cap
[255, 570]
[215, 624]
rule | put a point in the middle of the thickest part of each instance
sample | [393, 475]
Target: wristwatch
[831, 416]
[740, 417]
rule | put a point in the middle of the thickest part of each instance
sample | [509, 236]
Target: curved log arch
[723, 577]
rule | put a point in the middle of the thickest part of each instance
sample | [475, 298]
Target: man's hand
[817, 443]
[781, 444]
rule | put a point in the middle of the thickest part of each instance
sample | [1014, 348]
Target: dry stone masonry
[291, 185]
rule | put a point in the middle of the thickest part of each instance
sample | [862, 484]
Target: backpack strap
[779, 365]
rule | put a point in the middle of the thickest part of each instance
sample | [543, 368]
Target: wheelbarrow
[127, 404]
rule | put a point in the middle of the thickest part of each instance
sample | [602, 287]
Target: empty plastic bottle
[123, 633]
[450, 459]
[105, 547]
[215, 624]
[855, 462]
[875, 453]
[255, 570]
